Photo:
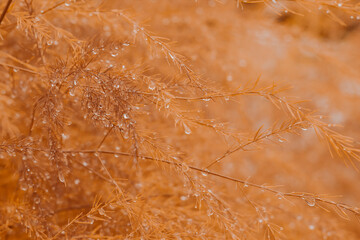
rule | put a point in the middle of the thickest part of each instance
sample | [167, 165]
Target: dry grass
[134, 120]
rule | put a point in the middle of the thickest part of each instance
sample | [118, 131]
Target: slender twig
[256, 139]
[304, 196]
[53, 7]
[5, 10]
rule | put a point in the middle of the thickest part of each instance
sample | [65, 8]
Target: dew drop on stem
[310, 202]
[152, 86]
[37, 200]
[61, 177]
[91, 220]
[126, 116]
[23, 186]
[187, 129]
[114, 53]
[101, 211]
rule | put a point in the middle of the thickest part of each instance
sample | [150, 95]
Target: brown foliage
[108, 132]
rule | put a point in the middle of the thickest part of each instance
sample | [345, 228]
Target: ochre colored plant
[108, 132]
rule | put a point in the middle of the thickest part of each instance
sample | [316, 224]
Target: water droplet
[311, 227]
[210, 212]
[64, 136]
[206, 99]
[114, 54]
[49, 42]
[95, 51]
[23, 186]
[310, 201]
[205, 173]
[152, 86]
[340, 4]
[183, 198]
[102, 211]
[72, 92]
[227, 98]
[172, 57]
[126, 135]
[91, 220]
[37, 200]
[304, 129]
[126, 116]
[77, 181]
[187, 129]
[61, 177]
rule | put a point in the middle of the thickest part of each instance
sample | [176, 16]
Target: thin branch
[5, 10]
[307, 197]
[258, 137]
